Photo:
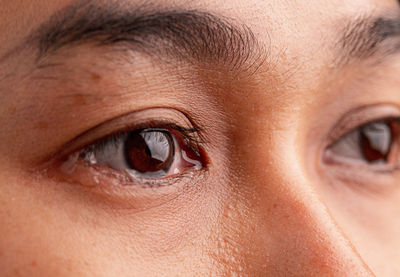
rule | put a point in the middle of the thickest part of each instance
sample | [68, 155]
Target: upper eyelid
[361, 116]
[188, 132]
[112, 138]
[141, 119]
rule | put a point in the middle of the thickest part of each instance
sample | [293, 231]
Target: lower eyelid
[382, 183]
[76, 171]
[351, 165]
[88, 173]
[107, 187]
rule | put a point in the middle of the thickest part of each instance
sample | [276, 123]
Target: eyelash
[350, 162]
[355, 135]
[191, 136]
[348, 166]
[189, 141]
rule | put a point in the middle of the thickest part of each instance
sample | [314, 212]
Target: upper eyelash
[191, 135]
[343, 129]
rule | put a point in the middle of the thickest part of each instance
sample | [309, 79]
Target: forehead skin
[262, 215]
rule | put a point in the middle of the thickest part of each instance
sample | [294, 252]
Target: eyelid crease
[142, 119]
[362, 116]
[189, 134]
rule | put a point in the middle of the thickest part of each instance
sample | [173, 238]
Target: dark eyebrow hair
[192, 35]
[364, 38]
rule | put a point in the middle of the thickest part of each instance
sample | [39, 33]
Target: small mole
[95, 77]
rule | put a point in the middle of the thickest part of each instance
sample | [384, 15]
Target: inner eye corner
[153, 152]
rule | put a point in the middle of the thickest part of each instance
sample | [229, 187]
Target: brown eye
[150, 153]
[376, 141]
[149, 150]
[372, 143]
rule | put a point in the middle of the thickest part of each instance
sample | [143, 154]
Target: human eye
[152, 148]
[373, 143]
[149, 153]
[367, 154]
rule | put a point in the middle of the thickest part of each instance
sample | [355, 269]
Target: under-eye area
[366, 154]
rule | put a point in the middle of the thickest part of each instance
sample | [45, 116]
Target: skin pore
[270, 107]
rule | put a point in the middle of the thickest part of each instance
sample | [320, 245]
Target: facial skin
[274, 88]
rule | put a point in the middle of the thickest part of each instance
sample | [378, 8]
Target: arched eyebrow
[188, 35]
[368, 37]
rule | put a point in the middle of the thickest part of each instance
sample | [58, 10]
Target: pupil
[376, 141]
[149, 150]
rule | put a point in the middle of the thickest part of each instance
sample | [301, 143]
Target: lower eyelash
[186, 139]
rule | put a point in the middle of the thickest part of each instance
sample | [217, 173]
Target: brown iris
[149, 150]
[376, 140]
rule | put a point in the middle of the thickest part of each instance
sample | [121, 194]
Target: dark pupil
[376, 141]
[149, 150]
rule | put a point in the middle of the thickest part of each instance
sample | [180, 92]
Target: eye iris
[149, 150]
[376, 141]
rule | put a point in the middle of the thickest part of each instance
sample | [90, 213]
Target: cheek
[77, 234]
[237, 246]
[48, 231]
[36, 230]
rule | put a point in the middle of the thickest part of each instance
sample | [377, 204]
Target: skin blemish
[95, 77]
[42, 125]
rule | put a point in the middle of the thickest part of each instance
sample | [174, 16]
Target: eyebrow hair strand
[362, 38]
[194, 36]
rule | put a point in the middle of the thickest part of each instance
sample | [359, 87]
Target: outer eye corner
[372, 144]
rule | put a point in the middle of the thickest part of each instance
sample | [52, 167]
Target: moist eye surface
[149, 150]
[150, 153]
[376, 141]
[371, 143]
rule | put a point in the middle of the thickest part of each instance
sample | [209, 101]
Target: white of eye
[371, 143]
[147, 153]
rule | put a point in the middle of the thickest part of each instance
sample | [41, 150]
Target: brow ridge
[189, 35]
[364, 37]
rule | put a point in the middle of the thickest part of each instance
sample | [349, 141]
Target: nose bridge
[306, 239]
[292, 232]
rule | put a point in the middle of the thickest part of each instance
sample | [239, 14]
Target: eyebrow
[192, 35]
[364, 38]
